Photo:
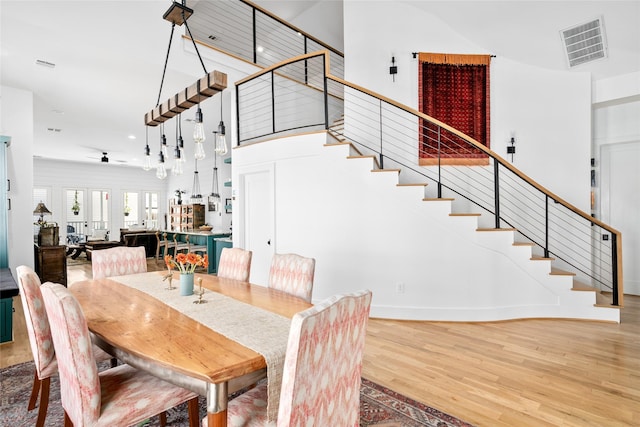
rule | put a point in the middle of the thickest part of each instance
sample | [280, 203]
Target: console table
[51, 263]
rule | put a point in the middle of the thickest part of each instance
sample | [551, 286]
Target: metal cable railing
[253, 34]
[300, 94]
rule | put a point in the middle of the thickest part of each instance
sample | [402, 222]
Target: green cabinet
[6, 319]
[223, 242]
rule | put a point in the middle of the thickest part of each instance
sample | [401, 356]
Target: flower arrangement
[186, 263]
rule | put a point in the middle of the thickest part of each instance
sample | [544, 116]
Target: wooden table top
[130, 319]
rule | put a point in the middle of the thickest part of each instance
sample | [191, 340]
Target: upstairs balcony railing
[300, 94]
[253, 34]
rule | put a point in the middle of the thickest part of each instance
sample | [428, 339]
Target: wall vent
[585, 43]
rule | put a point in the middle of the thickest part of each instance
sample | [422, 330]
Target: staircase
[514, 210]
[570, 292]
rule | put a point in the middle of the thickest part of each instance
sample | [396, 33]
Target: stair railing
[300, 94]
[253, 34]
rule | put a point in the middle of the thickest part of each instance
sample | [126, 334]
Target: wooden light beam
[207, 86]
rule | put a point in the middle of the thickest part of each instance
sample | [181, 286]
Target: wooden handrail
[469, 140]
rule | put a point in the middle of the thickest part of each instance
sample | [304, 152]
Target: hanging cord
[194, 43]
[166, 61]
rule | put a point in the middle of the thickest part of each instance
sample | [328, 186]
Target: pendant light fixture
[147, 152]
[196, 196]
[198, 132]
[215, 192]
[203, 88]
[161, 170]
[177, 154]
[163, 141]
[221, 139]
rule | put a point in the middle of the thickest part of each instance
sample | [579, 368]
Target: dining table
[227, 336]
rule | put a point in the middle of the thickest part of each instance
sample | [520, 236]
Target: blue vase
[186, 284]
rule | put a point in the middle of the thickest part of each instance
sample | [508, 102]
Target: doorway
[620, 204]
[256, 212]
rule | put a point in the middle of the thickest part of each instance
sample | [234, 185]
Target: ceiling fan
[105, 158]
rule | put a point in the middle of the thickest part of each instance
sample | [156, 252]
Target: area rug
[379, 406]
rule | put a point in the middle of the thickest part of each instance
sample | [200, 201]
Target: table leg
[219, 419]
[217, 404]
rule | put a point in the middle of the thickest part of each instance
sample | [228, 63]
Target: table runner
[260, 330]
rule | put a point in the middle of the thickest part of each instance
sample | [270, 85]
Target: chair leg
[163, 418]
[44, 402]
[194, 413]
[34, 392]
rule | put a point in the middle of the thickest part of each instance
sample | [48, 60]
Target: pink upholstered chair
[293, 274]
[39, 333]
[235, 263]
[118, 261]
[322, 369]
[119, 396]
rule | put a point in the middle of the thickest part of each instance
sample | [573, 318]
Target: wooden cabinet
[51, 263]
[186, 217]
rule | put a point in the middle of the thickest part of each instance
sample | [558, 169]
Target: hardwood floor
[515, 373]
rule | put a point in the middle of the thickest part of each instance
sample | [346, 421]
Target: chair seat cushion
[249, 409]
[130, 387]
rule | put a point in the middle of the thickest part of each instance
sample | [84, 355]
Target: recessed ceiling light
[45, 63]
[260, 49]
[131, 137]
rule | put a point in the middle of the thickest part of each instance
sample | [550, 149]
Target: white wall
[366, 232]
[547, 111]
[16, 121]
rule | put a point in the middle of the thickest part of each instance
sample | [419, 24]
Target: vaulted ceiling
[109, 56]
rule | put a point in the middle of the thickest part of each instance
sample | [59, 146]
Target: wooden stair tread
[445, 199]
[523, 244]
[464, 214]
[495, 229]
[541, 258]
[423, 184]
[557, 272]
[360, 156]
[386, 170]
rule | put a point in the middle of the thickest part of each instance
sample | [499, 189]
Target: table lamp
[41, 210]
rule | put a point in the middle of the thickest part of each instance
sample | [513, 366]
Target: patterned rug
[379, 406]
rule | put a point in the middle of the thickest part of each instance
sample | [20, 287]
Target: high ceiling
[108, 57]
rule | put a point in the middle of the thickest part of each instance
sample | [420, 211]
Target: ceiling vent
[585, 43]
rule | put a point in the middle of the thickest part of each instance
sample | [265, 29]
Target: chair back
[38, 328]
[118, 261]
[293, 274]
[323, 364]
[235, 263]
[79, 382]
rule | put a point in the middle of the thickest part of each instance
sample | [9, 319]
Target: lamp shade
[41, 209]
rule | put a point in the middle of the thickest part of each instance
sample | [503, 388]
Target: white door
[256, 213]
[621, 203]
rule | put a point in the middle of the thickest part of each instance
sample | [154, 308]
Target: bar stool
[197, 248]
[180, 246]
[163, 242]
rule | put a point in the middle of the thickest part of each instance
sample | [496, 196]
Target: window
[99, 210]
[151, 210]
[130, 208]
[75, 214]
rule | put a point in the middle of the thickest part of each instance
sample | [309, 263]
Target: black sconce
[393, 70]
[512, 149]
